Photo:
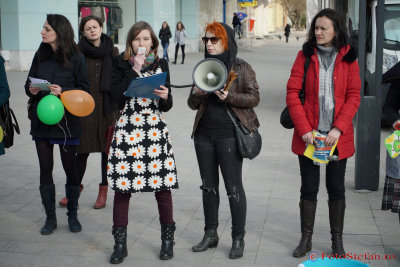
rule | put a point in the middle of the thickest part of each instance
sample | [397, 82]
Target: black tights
[45, 154]
[81, 162]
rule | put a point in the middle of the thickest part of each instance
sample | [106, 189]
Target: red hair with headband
[219, 31]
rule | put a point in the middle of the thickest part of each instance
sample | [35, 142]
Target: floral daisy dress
[141, 157]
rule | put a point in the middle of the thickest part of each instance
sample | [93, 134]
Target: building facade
[21, 21]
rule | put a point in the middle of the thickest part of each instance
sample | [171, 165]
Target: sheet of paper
[42, 84]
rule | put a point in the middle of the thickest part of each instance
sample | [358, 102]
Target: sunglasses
[213, 40]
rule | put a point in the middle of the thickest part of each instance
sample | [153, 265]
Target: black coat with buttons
[70, 77]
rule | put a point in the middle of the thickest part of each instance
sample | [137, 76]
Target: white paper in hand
[42, 84]
[141, 50]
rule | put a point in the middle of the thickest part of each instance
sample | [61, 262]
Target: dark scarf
[105, 53]
[224, 57]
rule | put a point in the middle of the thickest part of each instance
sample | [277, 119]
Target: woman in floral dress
[141, 157]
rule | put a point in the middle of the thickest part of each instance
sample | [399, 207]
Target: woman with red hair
[214, 137]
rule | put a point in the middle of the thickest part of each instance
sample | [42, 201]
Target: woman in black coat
[4, 94]
[165, 35]
[58, 61]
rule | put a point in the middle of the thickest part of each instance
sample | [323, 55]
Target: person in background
[391, 107]
[58, 61]
[214, 137]
[165, 35]
[287, 32]
[236, 24]
[4, 96]
[141, 157]
[98, 50]
[332, 97]
[180, 40]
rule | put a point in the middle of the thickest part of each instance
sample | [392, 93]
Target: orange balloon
[78, 102]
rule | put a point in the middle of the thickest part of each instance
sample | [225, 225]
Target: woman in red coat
[332, 97]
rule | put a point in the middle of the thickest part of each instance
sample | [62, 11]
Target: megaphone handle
[179, 86]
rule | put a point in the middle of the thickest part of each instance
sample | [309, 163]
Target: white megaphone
[209, 75]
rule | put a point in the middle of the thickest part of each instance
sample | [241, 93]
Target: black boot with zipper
[237, 246]
[307, 218]
[48, 194]
[210, 240]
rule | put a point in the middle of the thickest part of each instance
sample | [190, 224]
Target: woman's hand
[163, 92]
[55, 89]
[332, 137]
[199, 92]
[308, 138]
[34, 90]
[138, 62]
[221, 93]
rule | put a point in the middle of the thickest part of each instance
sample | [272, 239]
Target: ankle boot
[167, 241]
[237, 246]
[48, 194]
[336, 220]
[102, 197]
[120, 250]
[63, 202]
[72, 193]
[307, 218]
[210, 240]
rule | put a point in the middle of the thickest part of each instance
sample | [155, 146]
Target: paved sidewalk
[271, 182]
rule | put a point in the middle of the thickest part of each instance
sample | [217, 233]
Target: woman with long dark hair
[165, 35]
[332, 97]
[180, 41]
[214, 137]
[141, 157]
[58, 61]
[99, 50]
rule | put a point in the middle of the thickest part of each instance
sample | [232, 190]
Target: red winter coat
[347, 86]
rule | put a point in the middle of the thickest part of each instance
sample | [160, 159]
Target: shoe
[102, 197]
[174, 62]
[336, 221]
[120, 249]
[63, 202]
[237, 246]
[167, 241]
[72, 193]
[210, 240]
[307, 218]
[48, 194]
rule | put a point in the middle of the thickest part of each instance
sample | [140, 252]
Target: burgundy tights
[121, 207]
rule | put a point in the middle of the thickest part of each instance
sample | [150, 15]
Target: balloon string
[65, 135]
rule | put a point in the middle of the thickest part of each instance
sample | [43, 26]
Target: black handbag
[249, 143]
[8, 123]
[286, 120]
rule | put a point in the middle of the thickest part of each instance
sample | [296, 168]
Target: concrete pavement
[271, 182]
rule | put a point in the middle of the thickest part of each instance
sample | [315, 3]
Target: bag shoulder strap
[302, 93]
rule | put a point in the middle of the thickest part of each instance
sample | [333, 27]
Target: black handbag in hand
[9, 123]
[286, 120]
[249, 143]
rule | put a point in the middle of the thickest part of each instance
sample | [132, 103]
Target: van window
[392, 27]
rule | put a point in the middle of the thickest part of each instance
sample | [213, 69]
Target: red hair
[219, 31]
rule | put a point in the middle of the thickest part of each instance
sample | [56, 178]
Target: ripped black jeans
[214, 152]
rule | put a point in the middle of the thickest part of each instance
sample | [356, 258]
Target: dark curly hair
[341, 37]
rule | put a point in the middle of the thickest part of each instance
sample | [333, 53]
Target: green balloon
[50, 110]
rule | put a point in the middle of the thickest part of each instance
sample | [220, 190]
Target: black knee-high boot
[336, 221]
[48, 194]
[167, 241]
[120, 249]
[307, 218]
[72, 193]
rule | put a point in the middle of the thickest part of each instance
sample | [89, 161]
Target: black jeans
[310, 176]
[183, 52]
[214, 152]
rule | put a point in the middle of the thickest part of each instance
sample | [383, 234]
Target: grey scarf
[326, 58]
